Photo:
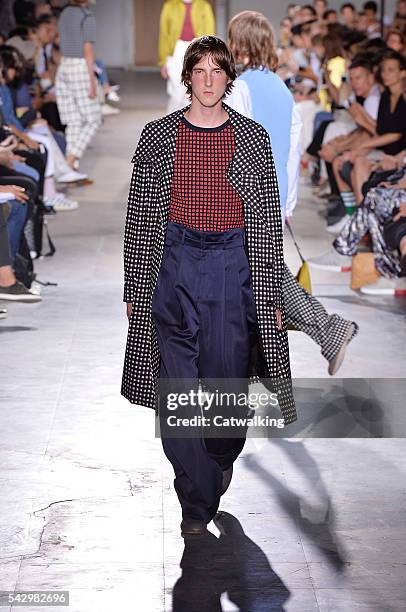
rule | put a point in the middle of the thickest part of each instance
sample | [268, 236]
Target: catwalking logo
[244, 403]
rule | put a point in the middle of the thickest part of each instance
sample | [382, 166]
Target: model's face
[361, 81]
[208, 81]
[391, 73]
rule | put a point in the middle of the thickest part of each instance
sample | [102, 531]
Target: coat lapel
[245, 169]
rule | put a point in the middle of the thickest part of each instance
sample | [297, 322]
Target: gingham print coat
[252, 173]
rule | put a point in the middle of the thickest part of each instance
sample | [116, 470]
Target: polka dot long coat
[252, 173]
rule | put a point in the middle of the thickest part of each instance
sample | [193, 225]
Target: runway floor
[87, 502]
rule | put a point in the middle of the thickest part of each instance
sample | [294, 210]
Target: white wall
[115, 32]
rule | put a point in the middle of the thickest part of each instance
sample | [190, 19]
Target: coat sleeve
[139, 223]
[270, 193]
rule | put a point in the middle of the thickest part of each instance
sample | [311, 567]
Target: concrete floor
[87, 503]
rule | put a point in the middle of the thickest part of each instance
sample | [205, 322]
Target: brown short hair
[220, 53]
[251, 33]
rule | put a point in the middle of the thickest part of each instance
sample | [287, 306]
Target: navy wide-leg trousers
[204, 313]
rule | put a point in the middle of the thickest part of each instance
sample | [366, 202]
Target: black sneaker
[336, 213]
[18, 293]
[334, 201]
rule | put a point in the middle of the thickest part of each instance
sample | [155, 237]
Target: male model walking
[203, 266]
[259, 93]
[180, 22]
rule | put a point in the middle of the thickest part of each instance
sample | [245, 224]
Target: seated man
[343, 134]
[390, 135]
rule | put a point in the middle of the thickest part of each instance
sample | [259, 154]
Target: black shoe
[191, 526]
[334, 201]
[227, 476]
[336, 213]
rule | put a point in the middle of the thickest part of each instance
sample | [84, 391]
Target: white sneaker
[113, 96]
[383, 286]
[3, 313]
[109, 110]
[337, 227]
[63, 204]
[36, 288]
[331, 261]
[72, 176]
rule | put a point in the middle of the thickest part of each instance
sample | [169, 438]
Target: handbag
[303, 274]
[363, 271]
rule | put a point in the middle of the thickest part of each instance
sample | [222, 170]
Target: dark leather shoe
[227, 475]
[190, 526]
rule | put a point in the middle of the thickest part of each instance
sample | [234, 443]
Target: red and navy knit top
[201, 196]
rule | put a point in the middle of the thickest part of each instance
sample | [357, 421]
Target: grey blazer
[252, 173]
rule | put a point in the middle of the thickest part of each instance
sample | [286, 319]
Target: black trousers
[204, 314]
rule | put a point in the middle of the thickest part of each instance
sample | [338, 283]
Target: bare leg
[402, 246]
[7, 276]
[359, 175]
[342, 185]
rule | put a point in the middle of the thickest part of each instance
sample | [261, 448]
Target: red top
[201, 196]
[187, 30]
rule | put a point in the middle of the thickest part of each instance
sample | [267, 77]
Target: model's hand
[164, 72]
[129, 310]
[278, 315]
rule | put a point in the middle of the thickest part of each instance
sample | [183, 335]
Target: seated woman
[10, 288]
[37, 131]
[379, 206]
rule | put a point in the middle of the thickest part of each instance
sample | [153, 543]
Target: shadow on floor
[320, 530]
[16, 328]
[231, 564]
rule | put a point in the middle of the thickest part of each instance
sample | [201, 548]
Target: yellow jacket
[171, 23]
